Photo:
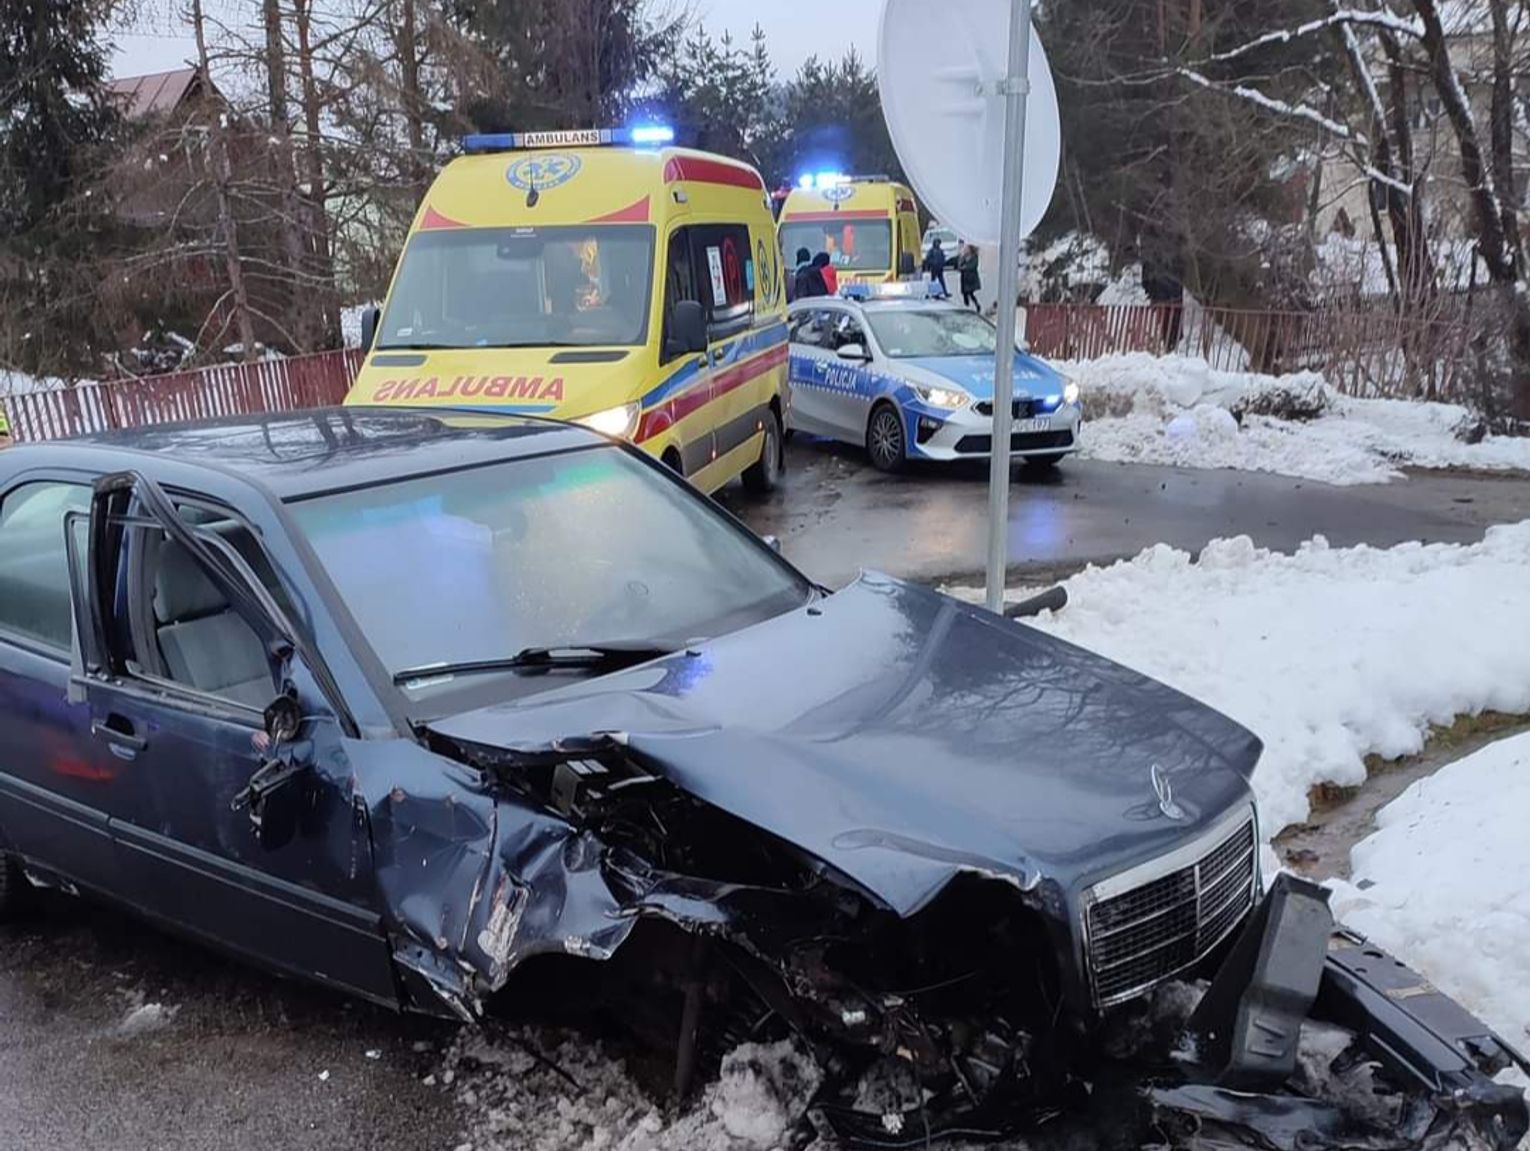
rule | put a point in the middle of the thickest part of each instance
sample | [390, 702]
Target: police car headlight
[1070, 391]
[619, 423]
[943, 397]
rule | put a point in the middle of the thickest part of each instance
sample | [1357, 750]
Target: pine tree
[55, 121]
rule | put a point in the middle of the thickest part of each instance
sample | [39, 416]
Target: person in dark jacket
[809, 281]
[935, 265]
[804, 260]
[972, 282]
[827, 271]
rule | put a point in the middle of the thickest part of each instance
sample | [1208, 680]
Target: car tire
[12, 887]
[886, 441]
[764, 475]
[1042, 463]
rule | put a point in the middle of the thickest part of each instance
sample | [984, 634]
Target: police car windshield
[906, 334]
[855, 245]
[556, 552]
[522, 287]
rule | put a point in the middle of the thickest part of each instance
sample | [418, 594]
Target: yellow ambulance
[600, 276]
[868, 225]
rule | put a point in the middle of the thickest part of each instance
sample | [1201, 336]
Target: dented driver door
[184, 661]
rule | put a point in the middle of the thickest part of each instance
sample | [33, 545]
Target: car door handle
[118, 733]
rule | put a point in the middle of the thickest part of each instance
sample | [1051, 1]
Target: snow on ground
[1443, 883]
[1329, 655]
[516, 1097]
[1178, 411]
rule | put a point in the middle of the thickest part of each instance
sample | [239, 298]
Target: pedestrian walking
[935, 265]
[972, 282]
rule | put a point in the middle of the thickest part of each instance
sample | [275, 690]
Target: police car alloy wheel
[884, 438]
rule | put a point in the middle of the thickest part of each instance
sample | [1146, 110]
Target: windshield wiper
[577, 656]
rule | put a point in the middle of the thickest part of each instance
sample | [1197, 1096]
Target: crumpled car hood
[902, 738]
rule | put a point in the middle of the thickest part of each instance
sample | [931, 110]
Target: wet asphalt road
[236, 1061]
[240, 1059]
[837, 515]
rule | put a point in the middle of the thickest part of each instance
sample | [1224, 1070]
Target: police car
[911, 377]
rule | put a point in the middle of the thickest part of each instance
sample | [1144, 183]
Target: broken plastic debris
[323, 1076]
[852, 1017]
[892, 1123]
[374, 1053]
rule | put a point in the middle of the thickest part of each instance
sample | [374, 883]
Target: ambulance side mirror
[906, 265]
[369, 319]
[689, 327]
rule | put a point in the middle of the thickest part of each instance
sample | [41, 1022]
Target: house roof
[156, 94]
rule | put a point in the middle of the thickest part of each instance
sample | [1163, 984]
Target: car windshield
[522, 287]
[568, 550]
[854, 245]
[909, 334]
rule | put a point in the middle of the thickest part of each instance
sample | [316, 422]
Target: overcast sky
[794, 29]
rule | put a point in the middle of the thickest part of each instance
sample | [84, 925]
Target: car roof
[296, 454]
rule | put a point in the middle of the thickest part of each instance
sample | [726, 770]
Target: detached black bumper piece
[1291, 967]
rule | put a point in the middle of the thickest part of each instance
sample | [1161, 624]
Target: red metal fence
[1361, 352]
[226, 390]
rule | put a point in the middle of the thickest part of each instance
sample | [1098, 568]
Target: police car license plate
[1034, 424]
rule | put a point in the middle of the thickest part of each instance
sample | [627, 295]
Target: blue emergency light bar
[897, 290]
[810, 180]
[640, 136]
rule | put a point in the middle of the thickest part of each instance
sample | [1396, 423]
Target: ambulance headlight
[618, 423]
[944, 397]
[1070, 391]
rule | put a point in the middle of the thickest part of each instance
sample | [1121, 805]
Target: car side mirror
[773, 543]
[283, 718]
[855, 352]
[688, 327]
[369, 321]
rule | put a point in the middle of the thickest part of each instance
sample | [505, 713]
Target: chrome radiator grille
[1141, 931]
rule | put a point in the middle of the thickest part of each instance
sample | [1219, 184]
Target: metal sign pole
[1016, 87]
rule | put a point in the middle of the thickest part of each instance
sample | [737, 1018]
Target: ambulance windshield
[585, 286]
[855, 245]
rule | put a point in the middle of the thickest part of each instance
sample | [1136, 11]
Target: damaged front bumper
[925, 1027]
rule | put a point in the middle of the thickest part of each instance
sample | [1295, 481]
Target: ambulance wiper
[538, 659]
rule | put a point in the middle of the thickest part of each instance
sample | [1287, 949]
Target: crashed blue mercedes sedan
[468, 714]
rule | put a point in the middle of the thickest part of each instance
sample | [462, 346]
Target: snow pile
[1443, 883]
[1178, 411]
[515, 1099]
[1329, 655]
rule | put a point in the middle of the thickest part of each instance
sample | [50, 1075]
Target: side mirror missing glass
[855, 352]
[274, 797]
[283, 717]
[369, 321]
[689, 327]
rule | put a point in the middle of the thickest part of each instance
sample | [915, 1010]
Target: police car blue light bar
[897, 290]
[641, 136]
